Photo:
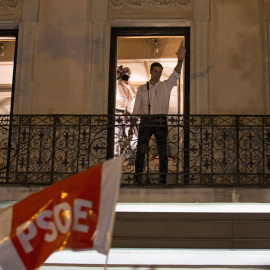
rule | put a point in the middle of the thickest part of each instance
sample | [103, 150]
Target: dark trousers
[150, 125]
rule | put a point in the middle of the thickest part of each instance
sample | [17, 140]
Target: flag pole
[105, 267]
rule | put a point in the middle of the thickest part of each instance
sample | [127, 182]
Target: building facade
[63, 65]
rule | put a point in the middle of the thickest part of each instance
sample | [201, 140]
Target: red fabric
[58, 203]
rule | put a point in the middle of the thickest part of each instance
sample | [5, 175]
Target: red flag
[75, 213]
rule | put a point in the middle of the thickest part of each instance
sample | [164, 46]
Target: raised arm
[181, 56]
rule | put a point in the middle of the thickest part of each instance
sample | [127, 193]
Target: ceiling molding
[153, 3]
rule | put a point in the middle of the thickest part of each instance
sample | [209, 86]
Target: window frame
[12, 33]
[147, 31]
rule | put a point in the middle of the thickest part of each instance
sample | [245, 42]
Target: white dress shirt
[159, 96]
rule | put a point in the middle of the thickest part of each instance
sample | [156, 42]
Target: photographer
[125, 91]
[125, 98]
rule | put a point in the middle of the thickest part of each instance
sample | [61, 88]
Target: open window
[137, 48]
[8, 41]
[138, 53]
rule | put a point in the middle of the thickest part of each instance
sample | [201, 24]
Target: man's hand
[132, 124]
[181, 52]
[181, 56]
[130, 133]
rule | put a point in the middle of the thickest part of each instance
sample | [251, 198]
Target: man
[125, 97]
[152, 100]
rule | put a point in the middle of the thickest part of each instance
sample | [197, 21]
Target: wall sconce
[156, 47]
[2, 50]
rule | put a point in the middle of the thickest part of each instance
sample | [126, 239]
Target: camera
[124, 73]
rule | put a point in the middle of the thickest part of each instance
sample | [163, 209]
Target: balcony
[203, 150]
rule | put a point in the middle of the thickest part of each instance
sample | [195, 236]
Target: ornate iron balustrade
[208, 150]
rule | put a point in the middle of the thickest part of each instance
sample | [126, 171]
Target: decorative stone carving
[150, 3]
[9, 3]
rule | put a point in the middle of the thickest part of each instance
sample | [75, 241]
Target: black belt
[122, 111]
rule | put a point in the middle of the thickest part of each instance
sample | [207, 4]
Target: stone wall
[238, 58]
[62, 58]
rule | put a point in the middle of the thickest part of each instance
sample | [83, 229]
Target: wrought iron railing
[205, 150]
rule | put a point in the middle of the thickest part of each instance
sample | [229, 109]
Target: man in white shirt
[125, 97]
[152, 100]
